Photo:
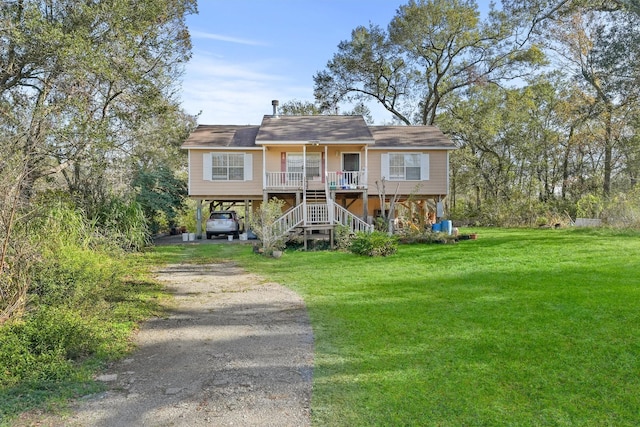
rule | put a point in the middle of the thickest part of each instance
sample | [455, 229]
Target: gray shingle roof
[314, 128]
[410, 136]
[222, 136]
[325, 129]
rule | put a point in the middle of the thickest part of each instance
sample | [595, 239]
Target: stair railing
[353, 222]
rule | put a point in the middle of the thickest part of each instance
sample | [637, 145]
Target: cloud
[227, 92]
[220, 37]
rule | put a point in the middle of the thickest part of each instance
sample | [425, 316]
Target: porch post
[304, 185]
[366, 166]
[264, 168]
[246, 215]
[329, 197]
[199, 218]
[365, 206]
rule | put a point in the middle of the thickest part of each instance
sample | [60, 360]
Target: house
[328, 169]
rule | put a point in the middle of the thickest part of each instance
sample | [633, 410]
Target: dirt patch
[235, 350]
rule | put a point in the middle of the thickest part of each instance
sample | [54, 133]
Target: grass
[521, 327]
[40, 368]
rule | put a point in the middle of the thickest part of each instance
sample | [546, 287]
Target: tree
[299, 108]
[84, 85]
[263, 223]
[603, 56]
[306, 108]
[160, 194]
[431, 50]
[82, 77]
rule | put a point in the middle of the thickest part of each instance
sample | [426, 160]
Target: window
[227, 166]
[313, 166]
[405, 166]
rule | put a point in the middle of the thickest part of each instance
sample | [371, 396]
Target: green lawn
[520, 327]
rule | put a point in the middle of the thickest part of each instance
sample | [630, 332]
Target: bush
[342, 237]
[426, 236]
[374, 244]
[623, 210]
[44, 346]
[262, 224]
[122, 223]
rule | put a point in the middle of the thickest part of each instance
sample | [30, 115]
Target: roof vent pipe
[275, 104]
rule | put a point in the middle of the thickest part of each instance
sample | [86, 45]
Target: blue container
[436, 228]
[447, 226]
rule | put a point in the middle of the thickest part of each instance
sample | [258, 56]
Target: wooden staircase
[316, 218]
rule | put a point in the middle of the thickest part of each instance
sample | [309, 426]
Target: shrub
[16, 361]
[123, 223]
[374, 244]
[44, 346]
[262, 224]
[56, 329]
[623, 210]
[426, 236]
[342, 237]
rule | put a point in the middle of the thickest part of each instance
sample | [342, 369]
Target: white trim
[189, 172]
[216, 148]
[342, 153]
[207, 167]
[248, 167]
[425, 163]
[264, 167]
[366, 165]
[448, 188]
[412, 148]
[384, 166]
[313, 143]
[424, 166]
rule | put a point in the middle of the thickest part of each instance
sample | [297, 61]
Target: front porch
[296, 181]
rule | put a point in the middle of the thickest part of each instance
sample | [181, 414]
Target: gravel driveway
[235, 350]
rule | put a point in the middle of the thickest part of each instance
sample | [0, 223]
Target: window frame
[227, 166]
[406, 166]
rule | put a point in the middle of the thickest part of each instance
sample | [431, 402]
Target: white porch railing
[284, 180]
[335, 180]
[344, 217]
[344, 180]
[289, 220]
[317, 213]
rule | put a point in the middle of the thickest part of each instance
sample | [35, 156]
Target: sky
[247, 53]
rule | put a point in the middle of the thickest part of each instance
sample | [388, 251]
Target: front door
[351, 162]
[350, 168]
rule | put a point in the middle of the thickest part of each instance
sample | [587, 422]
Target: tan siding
[201, 188]
[436, 185]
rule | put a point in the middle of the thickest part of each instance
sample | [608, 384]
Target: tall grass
[84, 298]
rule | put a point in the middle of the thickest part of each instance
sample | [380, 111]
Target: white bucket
[192, 236]
[185, 237]
[230, 238]
[243, 236]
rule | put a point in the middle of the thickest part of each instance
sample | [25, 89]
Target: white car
[223, 223]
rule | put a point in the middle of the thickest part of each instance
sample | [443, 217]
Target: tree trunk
[608, 150]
